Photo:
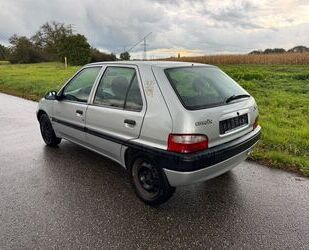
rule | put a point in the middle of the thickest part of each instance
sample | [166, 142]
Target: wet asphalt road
[69, 197]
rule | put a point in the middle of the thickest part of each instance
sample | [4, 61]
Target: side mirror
[52, 95]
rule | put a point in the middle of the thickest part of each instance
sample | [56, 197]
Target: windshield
[202, 87]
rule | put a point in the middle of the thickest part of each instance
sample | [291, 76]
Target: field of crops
[270, 59]
[281, 91]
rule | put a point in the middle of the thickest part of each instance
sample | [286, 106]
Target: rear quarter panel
[205, 121]
[157, 124]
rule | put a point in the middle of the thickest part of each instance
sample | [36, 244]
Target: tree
[52, 42]
[4, 52]
[274, 51]
[23, 51]
[49, 37]
[75, 48]
[299, 49]
[98, 56]
[268, 51]
[125, 56]
[256, 52]
[113, 57]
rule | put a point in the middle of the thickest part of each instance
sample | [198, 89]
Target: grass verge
[32, 81]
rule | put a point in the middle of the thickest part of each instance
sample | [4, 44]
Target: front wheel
[47, 132]
[150, 182]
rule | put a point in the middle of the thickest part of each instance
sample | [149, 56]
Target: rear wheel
[150, 182]
[47, 132]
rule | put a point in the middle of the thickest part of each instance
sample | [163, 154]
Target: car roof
[159, 64]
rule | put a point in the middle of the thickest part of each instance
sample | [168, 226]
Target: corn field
[284, 58]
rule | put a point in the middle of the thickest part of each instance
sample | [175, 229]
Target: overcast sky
[191, 27]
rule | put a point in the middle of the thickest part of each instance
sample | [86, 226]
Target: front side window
[202, 87]
[80, 86]
[119, 88]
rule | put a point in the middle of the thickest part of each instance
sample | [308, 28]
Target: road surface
[70, 197]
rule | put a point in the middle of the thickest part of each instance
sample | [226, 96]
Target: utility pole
[65, 62]
[72, 27]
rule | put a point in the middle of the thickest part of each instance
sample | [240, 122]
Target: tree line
[297, 49]
[53, 42]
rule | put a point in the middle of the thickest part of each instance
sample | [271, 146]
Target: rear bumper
[188, 169]
[177, 178]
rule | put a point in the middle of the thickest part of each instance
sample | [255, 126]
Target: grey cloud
[126, 25]
[184, 24]
[236, 15]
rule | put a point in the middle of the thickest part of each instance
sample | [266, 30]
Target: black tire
[150, 183]
[47, 132]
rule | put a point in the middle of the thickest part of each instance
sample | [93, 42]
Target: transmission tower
[144, 44]
[145, 50]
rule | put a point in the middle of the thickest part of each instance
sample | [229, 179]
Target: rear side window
[78, 89]
[202, 87]
[134, 99]
[119, 88]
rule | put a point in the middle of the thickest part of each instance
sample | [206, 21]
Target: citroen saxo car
[168, 123]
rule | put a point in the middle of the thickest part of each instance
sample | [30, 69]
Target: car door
[69, 112]
[116, 112]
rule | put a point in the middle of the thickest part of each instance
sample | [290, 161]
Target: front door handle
[130, 122]
[79, 112]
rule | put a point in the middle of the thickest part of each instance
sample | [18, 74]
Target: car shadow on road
[95, 192]
[93, 176]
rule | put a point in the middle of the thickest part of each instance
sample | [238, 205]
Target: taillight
[187, 143]
[256, 122]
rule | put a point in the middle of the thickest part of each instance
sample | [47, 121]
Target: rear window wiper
[234, 97]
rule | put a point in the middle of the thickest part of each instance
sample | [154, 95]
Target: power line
[144, 44]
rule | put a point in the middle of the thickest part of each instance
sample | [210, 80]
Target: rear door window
[134, 100]
[119, 88]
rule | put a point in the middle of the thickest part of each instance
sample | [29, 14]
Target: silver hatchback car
[168, 123]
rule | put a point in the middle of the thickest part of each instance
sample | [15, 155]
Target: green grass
[282, 93]
[32, 81]
[4, 62]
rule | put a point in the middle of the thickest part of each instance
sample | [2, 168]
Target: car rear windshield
[202, 87]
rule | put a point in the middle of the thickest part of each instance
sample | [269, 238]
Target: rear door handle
[130, 122]
[79, 112]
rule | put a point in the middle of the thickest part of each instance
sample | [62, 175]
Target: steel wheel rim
[146, 178]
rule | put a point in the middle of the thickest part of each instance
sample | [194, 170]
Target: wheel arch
[129, 156]
[40, 113]
[132, 153]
